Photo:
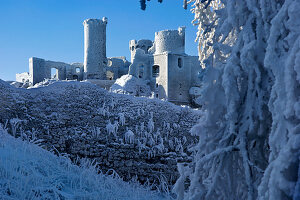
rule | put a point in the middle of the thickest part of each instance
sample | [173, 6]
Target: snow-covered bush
[128, 84]
[110, 128]
[122, 119]
[129, 137]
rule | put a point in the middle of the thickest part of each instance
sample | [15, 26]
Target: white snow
[30, 172]
[128, 84]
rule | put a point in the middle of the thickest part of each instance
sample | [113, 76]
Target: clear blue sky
[53, 30]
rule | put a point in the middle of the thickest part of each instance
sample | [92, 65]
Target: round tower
[172, 41]
[94, 48]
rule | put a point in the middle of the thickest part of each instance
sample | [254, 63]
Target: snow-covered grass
[29, 172]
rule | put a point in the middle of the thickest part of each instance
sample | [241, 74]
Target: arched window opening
[179, 62]
[155, 71]
[77, 70]
[54, 73]
[75, 77]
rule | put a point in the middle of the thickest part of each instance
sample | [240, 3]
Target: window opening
[179, 62]
[155, 71]
[54, 73]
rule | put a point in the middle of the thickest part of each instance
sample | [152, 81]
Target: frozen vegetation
[29, 172]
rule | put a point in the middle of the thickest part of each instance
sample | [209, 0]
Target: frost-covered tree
[206, 20]
[249, 143]
[248, 138]
[281, 178]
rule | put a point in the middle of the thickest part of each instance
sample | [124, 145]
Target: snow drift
[128, 84]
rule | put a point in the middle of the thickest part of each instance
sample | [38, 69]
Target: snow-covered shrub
[96, 132]
[128, 84]
[111, 129]
[151, 123]
[129, 137]
[15, 124]
[122, 119]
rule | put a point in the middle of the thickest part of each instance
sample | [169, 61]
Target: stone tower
[171, 41]
[95, 59]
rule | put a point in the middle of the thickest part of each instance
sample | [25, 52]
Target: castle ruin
[170, 71]
[163, 64]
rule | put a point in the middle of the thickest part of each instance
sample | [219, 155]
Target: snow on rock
[46, 82]
[128, 84]
[20, 84]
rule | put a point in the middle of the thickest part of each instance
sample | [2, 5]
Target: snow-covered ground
[29, 172]
[135, 136]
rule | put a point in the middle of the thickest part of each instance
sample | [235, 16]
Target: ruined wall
[37, 70]
[116, 67]
[23, 77]
[40, 69]
[160, 83]
[95, 48]
[179, 78]
[84, 120]
[141, 65]
[145, 45]
[75, 71]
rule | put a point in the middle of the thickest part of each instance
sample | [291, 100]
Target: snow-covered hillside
[134, 136]
[29, 172]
